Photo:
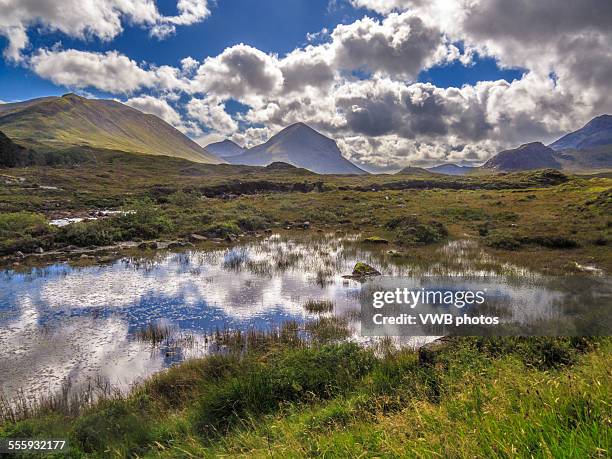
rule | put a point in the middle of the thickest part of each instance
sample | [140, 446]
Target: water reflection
[61, 322]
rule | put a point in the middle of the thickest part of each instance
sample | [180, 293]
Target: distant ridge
[411, 170]
[585, 150]
[451, 169]
[300, 146]
[225, 149]
[595, 133]
[71, 120]
[529, 156]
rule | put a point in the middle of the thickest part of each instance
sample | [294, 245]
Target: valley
[166, 199]
[166, 307]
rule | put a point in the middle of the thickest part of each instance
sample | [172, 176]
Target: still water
[63, 323]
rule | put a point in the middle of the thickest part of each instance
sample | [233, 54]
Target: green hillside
[70, 120]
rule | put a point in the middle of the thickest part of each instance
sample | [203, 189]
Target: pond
[63, 323]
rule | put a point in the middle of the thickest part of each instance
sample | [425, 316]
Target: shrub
[398, 222]
[252, 223]
[551, 242]
[85, 234]
[222, 229]
[20, 223]
[503, 241]
[422, 234]
[182, 199]
[144, 220]
[410, 230]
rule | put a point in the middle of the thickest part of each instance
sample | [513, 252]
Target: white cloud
[252, 136]
[189, 64]
[385, 117]
[401, 45]
[211, 113]
[158, 107]
[110, 71]
[84, 19]
[240, 72]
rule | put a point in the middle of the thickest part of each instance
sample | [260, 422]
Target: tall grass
[319, 306]
[493, 397]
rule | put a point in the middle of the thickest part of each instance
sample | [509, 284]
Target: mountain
[11, 154]
[587, 149]
[529, 156]
[411, 170]
[225, 149]
[301, 146]
[595, 133]
[451, 169]
[71, 120]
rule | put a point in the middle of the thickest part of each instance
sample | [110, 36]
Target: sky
[394, 82]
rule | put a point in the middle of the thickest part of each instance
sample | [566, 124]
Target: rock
[197, 238]
[306, 225]
[363, 269]
[148, 245]
[229, 238]
[19, 255]
[428, 354]
[175, 245]
[375, 240]
[39, 250]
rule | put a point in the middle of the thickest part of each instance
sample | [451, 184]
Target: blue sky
[376, 75]
[261, 24]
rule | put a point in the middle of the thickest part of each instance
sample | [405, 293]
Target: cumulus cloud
[401, 45]
[158, 107]
[210, 112]
[240, 72]
[84, 19]
[110, 71]
[358, 82]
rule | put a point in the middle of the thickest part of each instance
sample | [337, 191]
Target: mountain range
[62, 123]
[225, 149]
[587, 149]
[71, 120]
[298, 145]
[451, 169]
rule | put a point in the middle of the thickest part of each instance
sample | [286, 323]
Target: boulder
[363, 269]
[197, 238]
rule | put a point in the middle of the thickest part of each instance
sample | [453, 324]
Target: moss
[375, 240]
[363, 269]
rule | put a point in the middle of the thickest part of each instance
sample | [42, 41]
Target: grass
[552, 220]
[473, 397]
[319, 306]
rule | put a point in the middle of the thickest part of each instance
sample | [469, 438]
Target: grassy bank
[510, 397]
